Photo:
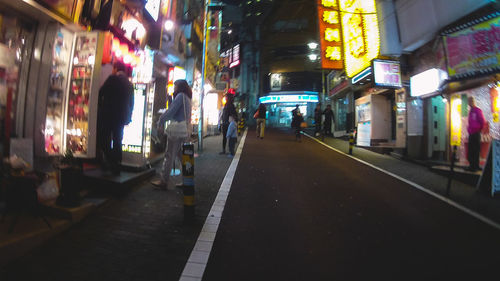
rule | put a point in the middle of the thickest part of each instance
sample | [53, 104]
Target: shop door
[437, 128]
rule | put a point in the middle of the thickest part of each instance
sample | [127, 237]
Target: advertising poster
[474, 49]
[363, 134]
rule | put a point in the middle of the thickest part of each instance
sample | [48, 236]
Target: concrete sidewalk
[460, 192]
[141, 235]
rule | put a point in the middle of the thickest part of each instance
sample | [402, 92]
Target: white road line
[197, 262]
[419, 187]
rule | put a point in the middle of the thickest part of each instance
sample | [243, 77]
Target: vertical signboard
[360, 34]
[330, 34]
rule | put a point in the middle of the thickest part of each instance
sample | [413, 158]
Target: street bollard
[241, 125]
[450, 176]
[351, 142]
[188, 179]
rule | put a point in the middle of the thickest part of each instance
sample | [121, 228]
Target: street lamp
[169, 25]
[312, 45]
[312, 57]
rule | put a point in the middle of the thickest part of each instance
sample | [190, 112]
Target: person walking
[476, 124]
[228, 110]
[179, 113]
[297, 120]
[115, 106]
[329, 118]
[317, 119]
[260, 115]
[232, 136]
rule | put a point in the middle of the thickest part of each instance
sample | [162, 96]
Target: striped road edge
[197, 262]
[419, 187]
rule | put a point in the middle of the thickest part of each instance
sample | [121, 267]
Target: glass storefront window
[341, 112]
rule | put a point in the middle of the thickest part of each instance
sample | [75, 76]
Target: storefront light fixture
[169, 25]
[312, 45]
[229, 31]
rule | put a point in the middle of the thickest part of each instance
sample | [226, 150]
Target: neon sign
[330, 35]
[360, 34]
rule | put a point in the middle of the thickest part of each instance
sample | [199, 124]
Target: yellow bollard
[351, 142]
[188, 179]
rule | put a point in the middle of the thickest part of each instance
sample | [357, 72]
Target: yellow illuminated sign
[456, 120]
[331, 17]
[332, 35]
[333, 53]
[360, 34]
[329, 3]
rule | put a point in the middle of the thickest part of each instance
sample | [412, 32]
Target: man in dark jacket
[328, 112]
[228, 110]
[116, 102]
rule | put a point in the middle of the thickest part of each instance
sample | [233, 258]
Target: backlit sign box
[387, 73]
[288, 98]
[153, 8]
[427, 82]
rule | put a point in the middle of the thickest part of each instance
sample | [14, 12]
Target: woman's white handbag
[177, 129]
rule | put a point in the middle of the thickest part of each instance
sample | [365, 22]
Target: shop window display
[79, 92]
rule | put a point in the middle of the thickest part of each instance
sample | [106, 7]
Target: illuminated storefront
[280, 105]
[137, 135]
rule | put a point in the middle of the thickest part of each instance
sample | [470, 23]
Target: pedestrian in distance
[232, 135]
[260, 116]
[115, 106]
[297, 120]
[178, 131]
[317, 119]
[329, 118]
[228, 110]
[476, 124]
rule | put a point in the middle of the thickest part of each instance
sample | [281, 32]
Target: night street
[249, 140]
[299, 211]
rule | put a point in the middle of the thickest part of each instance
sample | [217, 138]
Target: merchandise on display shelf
[81, 117]
[70, 119]
[56, 97]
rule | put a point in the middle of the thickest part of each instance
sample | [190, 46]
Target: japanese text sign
[330, 34]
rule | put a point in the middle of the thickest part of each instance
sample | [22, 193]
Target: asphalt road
[299, 211]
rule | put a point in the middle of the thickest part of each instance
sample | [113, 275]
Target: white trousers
[174, 146]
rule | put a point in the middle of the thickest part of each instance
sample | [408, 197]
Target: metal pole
[453, 160]
[203, 74]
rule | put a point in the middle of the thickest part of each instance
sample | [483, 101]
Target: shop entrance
[16, 43]
[280, 114]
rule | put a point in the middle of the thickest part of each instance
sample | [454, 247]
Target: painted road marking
[419, 187]
[197, 262]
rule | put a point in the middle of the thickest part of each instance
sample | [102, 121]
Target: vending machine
[136, 143]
